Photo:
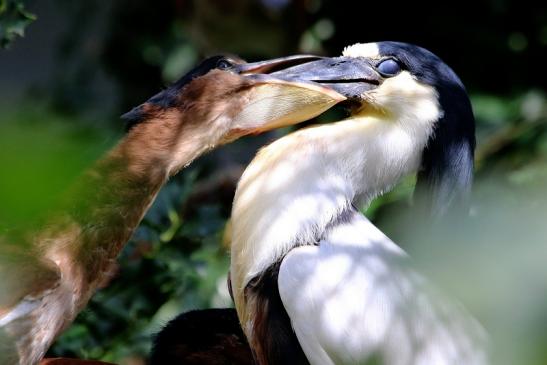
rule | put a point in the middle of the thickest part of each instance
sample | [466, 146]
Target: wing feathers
[354, 299]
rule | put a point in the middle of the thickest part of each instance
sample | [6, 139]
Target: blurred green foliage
[176, 261]
[14, 18]
[173, 263]
[41, 154]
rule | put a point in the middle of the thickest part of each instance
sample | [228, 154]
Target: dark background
[83, 63]
[85, 53]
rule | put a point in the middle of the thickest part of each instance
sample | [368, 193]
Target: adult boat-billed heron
[314, 281]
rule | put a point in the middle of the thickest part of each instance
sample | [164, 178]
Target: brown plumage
[273, 340]
[49, 276]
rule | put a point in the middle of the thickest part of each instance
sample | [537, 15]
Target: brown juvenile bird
[49, 276]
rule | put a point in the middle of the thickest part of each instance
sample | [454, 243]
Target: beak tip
[339, 97]
[331, 93]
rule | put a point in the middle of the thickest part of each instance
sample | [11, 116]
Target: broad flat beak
[274, 100]
[349, 76]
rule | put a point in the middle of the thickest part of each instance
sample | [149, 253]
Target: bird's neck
[110, 199]
[299, 184]
[172, 141]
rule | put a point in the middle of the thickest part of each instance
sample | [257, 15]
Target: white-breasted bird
[313, 280]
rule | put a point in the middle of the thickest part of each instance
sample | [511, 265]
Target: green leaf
[14, 18]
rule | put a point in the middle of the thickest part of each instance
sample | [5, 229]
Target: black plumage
[211, 336]
[446, 173]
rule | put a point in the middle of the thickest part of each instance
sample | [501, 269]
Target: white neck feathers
[298, 184]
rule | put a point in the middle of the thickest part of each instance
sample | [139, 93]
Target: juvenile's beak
[274, 101]
[275, 64]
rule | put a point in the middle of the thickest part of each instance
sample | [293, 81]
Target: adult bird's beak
[349, 76]
[274, 100]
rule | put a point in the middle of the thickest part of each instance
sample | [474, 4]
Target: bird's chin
[271, 103]
[353, 105]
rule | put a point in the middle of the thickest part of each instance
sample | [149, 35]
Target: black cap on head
[444, 181]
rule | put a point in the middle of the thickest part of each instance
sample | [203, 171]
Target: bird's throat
[296, 186]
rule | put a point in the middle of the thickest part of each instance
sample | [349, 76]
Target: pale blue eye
[389, 67]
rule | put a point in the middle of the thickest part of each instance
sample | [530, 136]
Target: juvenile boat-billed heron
[49, 276]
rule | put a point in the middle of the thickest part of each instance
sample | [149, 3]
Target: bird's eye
[224, 64]
[389, 67]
